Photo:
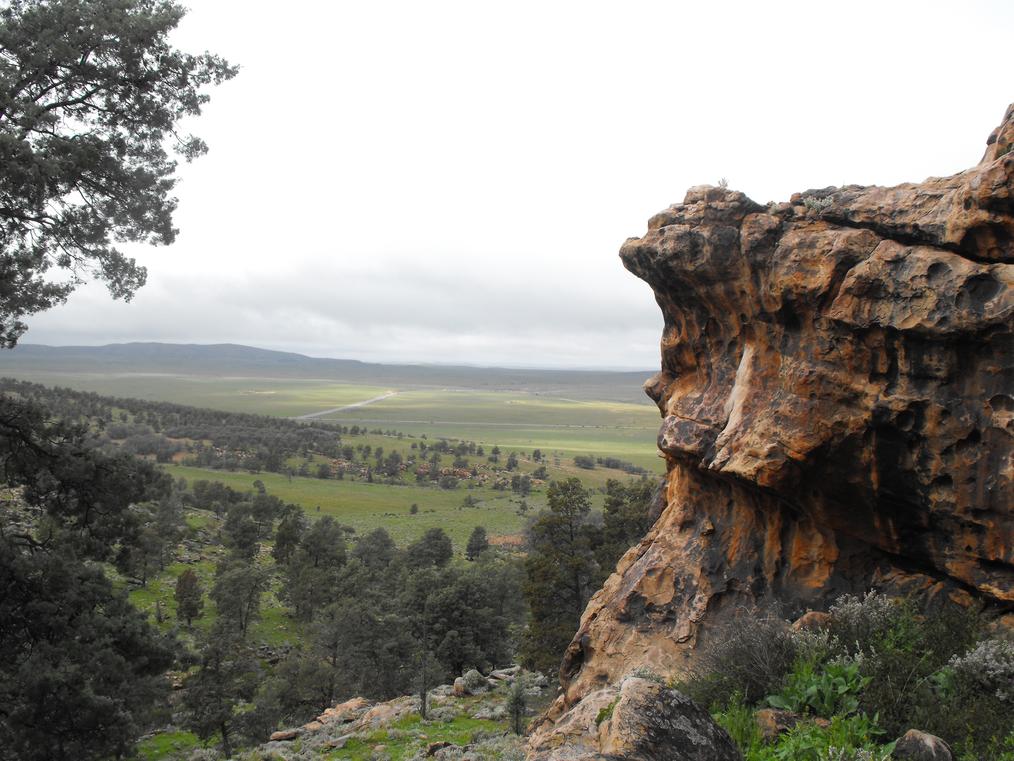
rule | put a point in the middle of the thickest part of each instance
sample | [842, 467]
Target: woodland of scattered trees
[377, 619]
[226, 440]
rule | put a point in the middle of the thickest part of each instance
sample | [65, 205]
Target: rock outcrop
[837, 394]
[637, 720]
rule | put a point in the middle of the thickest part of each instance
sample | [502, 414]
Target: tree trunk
[226, 747]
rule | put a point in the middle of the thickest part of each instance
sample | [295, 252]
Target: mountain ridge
[238, 360]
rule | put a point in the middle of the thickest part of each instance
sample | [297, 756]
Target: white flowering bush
[858, 622]
[988, 667]
[860, 754]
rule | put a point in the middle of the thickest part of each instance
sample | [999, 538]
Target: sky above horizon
[451, 181]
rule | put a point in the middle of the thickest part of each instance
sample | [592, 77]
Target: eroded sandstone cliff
[837, 393]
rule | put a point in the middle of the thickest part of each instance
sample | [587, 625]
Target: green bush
[879, 658]
[851, 738]
[823, 689]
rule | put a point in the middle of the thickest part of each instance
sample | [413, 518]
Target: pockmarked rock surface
[837, 396]
[638, 720]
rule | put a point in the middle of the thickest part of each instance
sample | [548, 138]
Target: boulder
[284, 735]
[773, 722]
[475, 682]
[505, 675]
[493, 713]
[640, 720]
[383, 714]
[347, 711]
[432, 748]
[921, 746]
[458, 689]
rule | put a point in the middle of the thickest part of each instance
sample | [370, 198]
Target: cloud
[403, 312]
[450, 181]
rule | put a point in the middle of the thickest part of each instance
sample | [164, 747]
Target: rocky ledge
[836, 393]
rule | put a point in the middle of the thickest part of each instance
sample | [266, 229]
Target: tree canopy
[91, 97]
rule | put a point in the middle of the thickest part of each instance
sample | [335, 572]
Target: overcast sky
[451, 182]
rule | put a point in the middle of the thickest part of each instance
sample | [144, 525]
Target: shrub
[826, 690]
[606, 712]
[975, 702]
[751, 661]
[738, 720]
[817, 204]
[846, 737]
[988, 668]
[879, 658]
[859, 623]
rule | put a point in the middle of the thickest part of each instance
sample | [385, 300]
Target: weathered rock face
[837, 389]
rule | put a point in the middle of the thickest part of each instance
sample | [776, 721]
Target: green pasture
[366, 506]
[519, 421]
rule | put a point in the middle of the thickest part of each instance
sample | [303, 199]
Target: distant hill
[233, 360]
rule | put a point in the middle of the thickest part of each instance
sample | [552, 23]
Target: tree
[560, 573]
[376, 550]
[291, 529]
[91, 94]
[79, 665]
[310, 576]
[628, 514]
[226, 678]
[237, 592]
[478, 543]
[169, 524]
[241, 532]
[140, 554]
[433, 548]
[517, 705]
[324, 543]
[189, 597]
[463, 616]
